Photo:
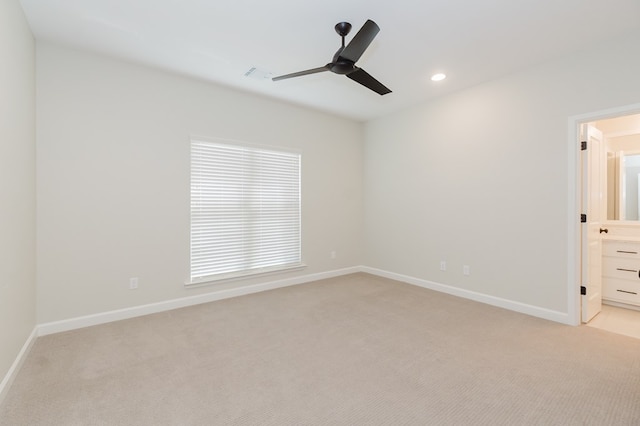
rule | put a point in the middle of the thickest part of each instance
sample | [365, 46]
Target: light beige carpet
[355, 350]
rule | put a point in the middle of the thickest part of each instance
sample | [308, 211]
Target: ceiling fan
[344, 61]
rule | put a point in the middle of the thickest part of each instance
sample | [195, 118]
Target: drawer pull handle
[627, 270]
[626, 252]
[628, 292]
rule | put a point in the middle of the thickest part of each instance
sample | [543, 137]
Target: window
[245, 210]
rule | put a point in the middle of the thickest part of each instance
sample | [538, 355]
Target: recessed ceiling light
[438, 77]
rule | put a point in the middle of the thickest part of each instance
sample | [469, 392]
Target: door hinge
[583, 145]
[583, 290]
[583, 218]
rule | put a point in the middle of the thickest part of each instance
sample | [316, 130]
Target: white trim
[15, 367]
[573, 225]
[136, 311]
[573, 200]
[511, 305]
[620, 305]
[235, 276]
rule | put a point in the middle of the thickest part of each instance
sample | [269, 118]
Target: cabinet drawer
[625, 249]
[621, 290]
[616, 267]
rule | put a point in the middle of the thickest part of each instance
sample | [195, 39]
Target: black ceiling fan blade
[360, 41]
[362, 77]
[301, 73]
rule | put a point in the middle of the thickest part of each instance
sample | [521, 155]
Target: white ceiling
[472, 41]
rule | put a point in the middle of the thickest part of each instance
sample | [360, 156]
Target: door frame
[574, 255]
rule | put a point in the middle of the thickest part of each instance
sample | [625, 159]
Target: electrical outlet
[466, 270]
[443, 265]
[333, 254]
[133, 283]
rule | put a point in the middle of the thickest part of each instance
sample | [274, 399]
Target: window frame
[247, 150]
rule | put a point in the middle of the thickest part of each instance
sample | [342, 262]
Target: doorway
[619, 320]
[616, 197]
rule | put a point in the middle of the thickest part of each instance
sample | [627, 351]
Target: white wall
[113, 179]
[615, 127]
[624, 143]
[17, 183]
[479, 178]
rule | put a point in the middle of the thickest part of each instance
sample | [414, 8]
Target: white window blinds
[245, 210]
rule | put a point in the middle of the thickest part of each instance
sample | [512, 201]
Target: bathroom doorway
[609, 235]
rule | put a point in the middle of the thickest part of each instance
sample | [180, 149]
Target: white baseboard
[620, 305]
[120, 314]
[136, 311]
[561, 317]
[15, 367]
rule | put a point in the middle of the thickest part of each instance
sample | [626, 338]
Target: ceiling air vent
[258, 74]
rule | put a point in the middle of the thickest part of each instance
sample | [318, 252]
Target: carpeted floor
[354, 350]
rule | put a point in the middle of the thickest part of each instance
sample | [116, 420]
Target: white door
[622, 192]
[592, 203]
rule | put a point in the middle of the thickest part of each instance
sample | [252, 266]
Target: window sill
[236, 276]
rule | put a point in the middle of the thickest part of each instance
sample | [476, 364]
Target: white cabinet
[621, 271]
